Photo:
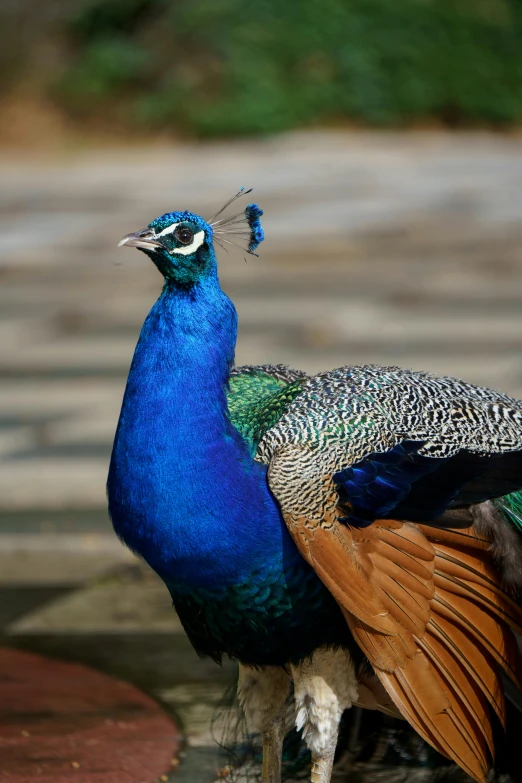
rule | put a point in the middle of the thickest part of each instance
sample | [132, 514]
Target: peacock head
[181, 243]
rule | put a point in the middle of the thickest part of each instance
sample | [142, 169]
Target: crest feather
[241, 229]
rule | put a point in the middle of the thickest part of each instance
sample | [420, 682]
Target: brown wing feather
[481, 668]
[438, 714]
[455, 678]
[426, 607]
[344, 571]
[374, 696]
[487, 635]
[481, 596]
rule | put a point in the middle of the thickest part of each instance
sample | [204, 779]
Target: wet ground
[400, 249]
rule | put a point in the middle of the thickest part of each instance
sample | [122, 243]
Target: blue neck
[183, 491]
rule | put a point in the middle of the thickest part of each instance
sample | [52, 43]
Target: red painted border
[65, 723]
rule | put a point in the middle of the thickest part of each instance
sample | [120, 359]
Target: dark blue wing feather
[378, 484]
[408, 485]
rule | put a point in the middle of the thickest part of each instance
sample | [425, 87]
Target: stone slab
[60, 559]
[105, 608]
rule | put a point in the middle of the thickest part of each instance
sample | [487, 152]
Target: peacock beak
[144, 239]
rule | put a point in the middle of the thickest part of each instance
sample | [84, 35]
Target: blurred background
[384, 143]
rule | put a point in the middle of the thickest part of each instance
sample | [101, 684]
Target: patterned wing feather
[401, 444]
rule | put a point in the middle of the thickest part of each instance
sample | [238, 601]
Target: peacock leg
[322, 764]
[273, 737]
[324, 686]
[263, 693]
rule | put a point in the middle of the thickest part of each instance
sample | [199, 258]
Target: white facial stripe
[168, 230]
[198, 240]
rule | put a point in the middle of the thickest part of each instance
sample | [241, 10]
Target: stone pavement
[395, 248]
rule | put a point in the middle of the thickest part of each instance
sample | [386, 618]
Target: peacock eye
[184, 235]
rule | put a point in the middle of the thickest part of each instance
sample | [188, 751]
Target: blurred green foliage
[212, 67]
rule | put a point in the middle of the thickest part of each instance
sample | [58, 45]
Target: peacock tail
[510, 507]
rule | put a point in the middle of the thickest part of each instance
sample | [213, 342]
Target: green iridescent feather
[257, 400]
[511, 509]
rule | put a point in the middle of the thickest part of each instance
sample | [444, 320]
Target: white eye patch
[168, 230]
[198, 240]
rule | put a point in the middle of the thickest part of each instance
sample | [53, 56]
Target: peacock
[349, 537]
